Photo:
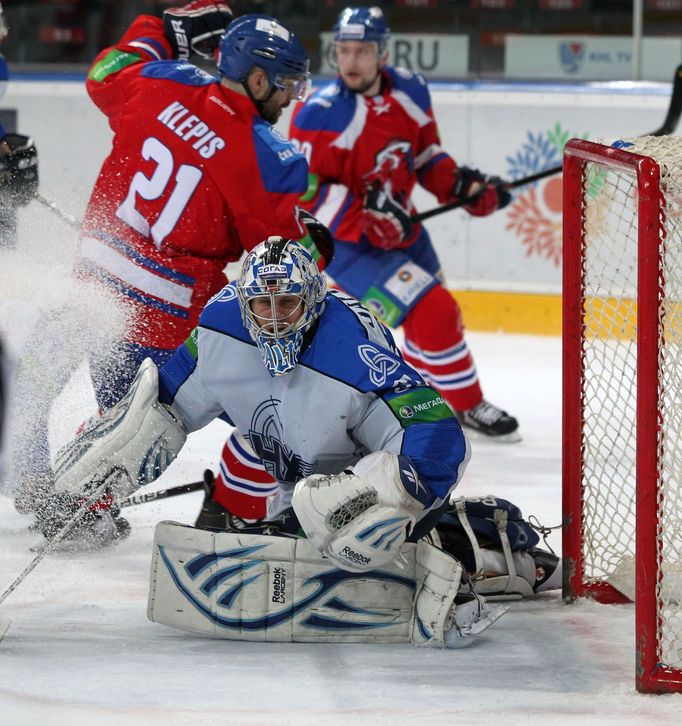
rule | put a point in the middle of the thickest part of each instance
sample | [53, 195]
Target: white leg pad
[438, 576]
[258, 587]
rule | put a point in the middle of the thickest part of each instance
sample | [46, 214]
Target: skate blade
[475, 435]
[463, 637]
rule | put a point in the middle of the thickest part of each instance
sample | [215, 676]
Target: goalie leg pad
[442, 617]
[266, 588]
[138, 437]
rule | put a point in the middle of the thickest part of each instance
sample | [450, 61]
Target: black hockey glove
[18, 170]
[320, 235]
[196, 28]
[384, 221]
[99, 526]
[490, 191]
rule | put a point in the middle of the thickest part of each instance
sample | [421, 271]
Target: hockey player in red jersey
[196, 175]
[370, 136]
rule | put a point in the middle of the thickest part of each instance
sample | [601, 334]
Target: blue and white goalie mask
[281, 294]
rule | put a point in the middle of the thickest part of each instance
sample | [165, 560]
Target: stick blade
[674, 109]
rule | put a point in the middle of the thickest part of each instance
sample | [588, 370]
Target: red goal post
[622, 390]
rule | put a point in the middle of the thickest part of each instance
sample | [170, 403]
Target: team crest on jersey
[267, 441]
[381, 107]
[229, 292]
[380, 365]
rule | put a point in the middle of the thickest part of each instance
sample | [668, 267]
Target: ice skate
[490, 422]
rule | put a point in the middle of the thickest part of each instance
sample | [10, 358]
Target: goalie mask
[281, 294]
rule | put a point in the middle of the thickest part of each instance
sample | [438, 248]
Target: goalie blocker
[267, 588]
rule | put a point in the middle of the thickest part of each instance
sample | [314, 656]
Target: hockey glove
[490, 191]
[18, 169]
[196, 28]
[101, 525]
[384, 221]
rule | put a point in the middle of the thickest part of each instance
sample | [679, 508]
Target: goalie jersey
[351, 394]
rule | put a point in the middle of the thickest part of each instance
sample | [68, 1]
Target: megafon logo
[571, 56]
[535, 214]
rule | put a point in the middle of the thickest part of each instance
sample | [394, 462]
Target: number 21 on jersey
[186, 180]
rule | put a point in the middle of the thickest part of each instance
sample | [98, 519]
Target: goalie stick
[144, 497]
[669, 125]
[206, 484]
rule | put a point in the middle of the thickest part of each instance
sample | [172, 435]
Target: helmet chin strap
[259, 104]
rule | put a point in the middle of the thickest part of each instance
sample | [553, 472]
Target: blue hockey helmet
[276, 268]
[259, 40]
[367, 24]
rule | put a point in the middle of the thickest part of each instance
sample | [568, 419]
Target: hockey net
[622, 390]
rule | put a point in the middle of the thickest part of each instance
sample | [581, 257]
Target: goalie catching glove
[196, 28]
[489, 191]
[361, 517]
[138, 438]
[18, 169]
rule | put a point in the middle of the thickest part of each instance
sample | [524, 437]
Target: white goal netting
[611, 226]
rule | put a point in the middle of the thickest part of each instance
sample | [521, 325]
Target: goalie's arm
[360, 517]
[418, 424]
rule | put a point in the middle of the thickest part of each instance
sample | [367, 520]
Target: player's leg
[403, 287]
[241, 488]
[44, 367]
[8, 226]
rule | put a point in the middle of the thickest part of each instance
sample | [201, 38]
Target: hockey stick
[672, 119]
[78, 514]
[421, 216]
[135, 499]
[69, 219]
[674, 109]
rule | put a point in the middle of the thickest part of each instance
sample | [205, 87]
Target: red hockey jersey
[350, 139]
[195, 176]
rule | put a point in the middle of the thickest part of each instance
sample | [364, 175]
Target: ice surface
[81, 650]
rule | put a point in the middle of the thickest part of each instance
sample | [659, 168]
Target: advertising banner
[589, 58]
[433, 55]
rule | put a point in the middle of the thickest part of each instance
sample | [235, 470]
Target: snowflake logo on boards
[535, 214]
